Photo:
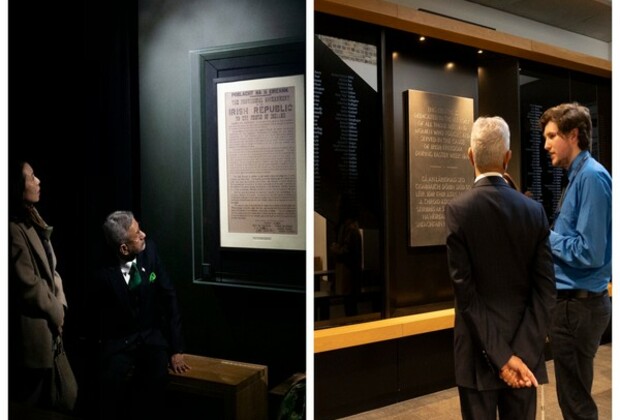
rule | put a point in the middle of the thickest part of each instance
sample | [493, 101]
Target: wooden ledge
[391, 15]
[385, 329]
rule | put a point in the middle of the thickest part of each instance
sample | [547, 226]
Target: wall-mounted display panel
[439, 169]
[417, 276]
[248, 165]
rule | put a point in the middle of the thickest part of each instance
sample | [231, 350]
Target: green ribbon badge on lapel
[152, 277]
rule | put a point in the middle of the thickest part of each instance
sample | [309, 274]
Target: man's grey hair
[490, 140]
[116, 226]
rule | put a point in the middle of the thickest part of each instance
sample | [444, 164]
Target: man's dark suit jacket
[149, 315]
[502, 271]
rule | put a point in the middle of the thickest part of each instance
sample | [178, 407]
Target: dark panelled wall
[99, 104]
[362, 378]
[240, 324]
[417, 277]
[497, 73]
[73, 116]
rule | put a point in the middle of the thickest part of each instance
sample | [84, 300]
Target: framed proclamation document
[261, 163]
[248, 165]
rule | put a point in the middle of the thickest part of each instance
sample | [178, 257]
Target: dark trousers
[511, 404]
[133, 383]
[576, 331]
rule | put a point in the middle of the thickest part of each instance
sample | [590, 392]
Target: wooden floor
[445, 404]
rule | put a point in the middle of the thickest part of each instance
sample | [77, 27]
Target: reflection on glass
[347, 254]
[347, 282]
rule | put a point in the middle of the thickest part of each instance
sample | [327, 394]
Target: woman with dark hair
[37, 301]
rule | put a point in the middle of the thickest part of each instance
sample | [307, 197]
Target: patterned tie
[134, 277]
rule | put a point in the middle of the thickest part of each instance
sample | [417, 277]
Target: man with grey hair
[502, 272]
[139, 323]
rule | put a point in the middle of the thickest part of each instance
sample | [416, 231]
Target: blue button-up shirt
[581, 235]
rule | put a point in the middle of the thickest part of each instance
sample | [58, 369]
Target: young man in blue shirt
[581, 247]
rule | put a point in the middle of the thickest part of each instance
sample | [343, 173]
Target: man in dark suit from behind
[502, 272]
[139, 323]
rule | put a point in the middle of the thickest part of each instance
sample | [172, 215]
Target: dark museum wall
[418, 276]
[255, 326]
[100, 105]
[72, 115]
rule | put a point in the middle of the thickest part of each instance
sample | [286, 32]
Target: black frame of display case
[271, 269]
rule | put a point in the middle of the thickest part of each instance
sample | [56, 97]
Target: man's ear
[573, 136]
[123, 249]
[507, 158]
[470, 155]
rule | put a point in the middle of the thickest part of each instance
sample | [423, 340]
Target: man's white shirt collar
[487, 174]
[126, 268]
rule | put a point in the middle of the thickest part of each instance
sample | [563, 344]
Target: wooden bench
[241, 387]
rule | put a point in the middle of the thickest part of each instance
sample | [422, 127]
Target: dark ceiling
[591, 18]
